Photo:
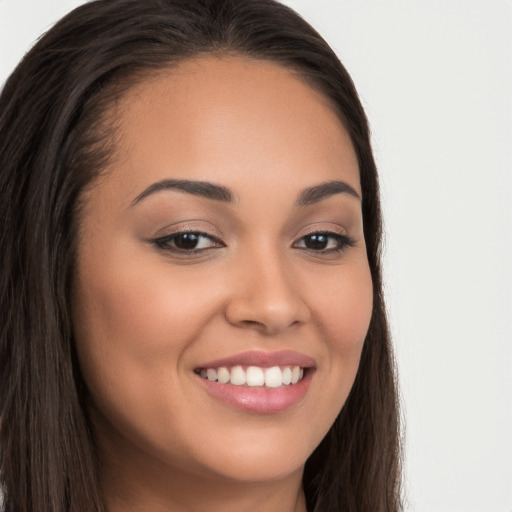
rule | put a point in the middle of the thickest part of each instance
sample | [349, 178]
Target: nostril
[252, 323]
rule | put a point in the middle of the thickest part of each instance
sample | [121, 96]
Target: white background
[436, 80]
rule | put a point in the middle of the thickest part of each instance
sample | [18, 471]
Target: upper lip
[263, 359]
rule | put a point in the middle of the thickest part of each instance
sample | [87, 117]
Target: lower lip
[259, 399]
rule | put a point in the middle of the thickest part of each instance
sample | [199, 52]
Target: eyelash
[342, 241]
[166, 241]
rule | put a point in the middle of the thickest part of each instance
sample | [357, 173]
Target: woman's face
[226, 233]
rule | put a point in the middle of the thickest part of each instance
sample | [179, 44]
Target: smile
[254, 376]
[258, 382]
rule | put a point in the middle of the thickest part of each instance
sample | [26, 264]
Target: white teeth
[255, 376]
[223, 375]
[238, 376]
[273, 377]
[287, 376]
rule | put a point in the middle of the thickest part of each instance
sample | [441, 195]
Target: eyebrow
[196, 188]
[209, 190]
[320, 192]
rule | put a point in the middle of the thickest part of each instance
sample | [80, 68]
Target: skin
[146, 316]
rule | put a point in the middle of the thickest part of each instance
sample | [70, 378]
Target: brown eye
[324, 242]
[316, 242]
[187, 242]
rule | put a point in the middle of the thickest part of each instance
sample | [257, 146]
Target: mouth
[257, 381]
[254, 376]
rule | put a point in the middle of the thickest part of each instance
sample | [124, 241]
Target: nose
[265, 296]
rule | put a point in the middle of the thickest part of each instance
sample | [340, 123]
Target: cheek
[343, 313]
[345, 309]
[134, 327]
[137, 310]
[132, 323]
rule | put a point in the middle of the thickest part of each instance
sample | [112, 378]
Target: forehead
[225, 119]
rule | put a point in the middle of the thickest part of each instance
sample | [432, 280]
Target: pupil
[316, 242]
[186, 241]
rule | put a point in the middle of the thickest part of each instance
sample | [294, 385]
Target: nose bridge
[265, 295]
[270, 279]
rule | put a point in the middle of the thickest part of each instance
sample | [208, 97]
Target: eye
[187, 242]
[324, 242]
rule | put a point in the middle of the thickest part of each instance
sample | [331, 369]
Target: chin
[265, 454]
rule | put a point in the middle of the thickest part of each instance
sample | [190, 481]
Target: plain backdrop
[436, 80]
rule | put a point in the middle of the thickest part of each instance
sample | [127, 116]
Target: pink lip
[263, 359]
[259, 399]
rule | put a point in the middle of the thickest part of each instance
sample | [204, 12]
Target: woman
[191, 290]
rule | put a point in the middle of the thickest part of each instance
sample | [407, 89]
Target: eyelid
[322, 229]
[164, 242]
[335, 232]
[189, 226]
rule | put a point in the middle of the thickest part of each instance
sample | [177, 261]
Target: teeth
[287, 376]
[295, 374]
[211, 374]
[255, 376]
[238, 376]
[223, 375]
[273, 377]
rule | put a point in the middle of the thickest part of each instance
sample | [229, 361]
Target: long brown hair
[54, 140]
